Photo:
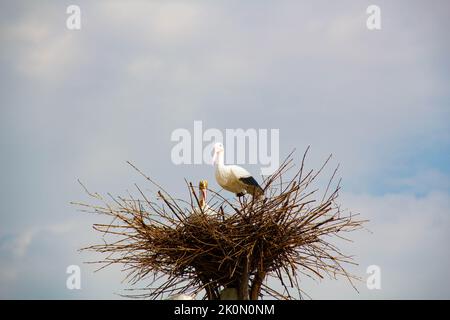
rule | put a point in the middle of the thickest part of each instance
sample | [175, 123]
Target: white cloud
[18, 243]
[160, 21]
[40, 50]
[176, 19]
[423, 181]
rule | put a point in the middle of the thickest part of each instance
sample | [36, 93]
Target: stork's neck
[220, 159]
[202, 201]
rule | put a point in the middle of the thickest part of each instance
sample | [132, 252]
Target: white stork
[234, 178]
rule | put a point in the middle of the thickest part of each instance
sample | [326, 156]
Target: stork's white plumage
[234, 178]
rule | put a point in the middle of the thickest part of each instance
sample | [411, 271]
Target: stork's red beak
[203, 191]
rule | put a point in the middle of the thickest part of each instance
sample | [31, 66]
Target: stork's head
[203, 184]
[218, 149]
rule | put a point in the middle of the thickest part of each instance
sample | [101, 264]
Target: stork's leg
[240, 195]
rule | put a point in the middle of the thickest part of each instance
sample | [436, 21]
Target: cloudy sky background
[79, 104]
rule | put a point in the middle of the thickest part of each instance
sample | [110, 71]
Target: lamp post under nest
[186, 250]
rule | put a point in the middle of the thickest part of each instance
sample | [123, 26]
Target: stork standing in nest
[234, 178]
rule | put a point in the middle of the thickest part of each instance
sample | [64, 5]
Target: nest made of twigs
[234, 244]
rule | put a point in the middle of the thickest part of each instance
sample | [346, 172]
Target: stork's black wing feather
[251, 182]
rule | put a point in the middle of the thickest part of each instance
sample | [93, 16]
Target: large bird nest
[174, 247]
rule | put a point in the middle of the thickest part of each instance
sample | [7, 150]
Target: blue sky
[79, 104]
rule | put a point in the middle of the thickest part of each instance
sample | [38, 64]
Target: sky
[78, 104]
